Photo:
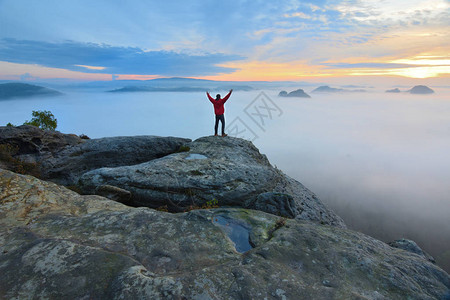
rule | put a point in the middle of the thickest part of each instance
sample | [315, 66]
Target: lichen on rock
[231, 170]
[55, 243]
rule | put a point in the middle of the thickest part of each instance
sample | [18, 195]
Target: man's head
[218, 97]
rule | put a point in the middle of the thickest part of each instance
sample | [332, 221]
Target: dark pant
[222, 119]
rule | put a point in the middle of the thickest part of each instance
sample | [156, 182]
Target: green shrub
[43, 119]
[10, 125]
[214, 203]
[184, 148]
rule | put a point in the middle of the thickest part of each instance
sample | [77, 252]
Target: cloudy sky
[225, 40]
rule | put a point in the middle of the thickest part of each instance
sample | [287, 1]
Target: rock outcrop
[327, 89]
[229, 170]
[63, 158]
[150, 171]
[297, 94]
[66, 166]
[421, 89]
[57, 244]
[34, 144]
[412, 247]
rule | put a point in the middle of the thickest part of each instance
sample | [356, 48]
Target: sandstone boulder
[57, 244]
[229, 170]
[66, 166]
[412, 247]
[62, 158]
[34, 144]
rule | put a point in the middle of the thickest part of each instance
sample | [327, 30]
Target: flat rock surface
[229, 170]
[63, 158]
[66, 166]
[57, 244]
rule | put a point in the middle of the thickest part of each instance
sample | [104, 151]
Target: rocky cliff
[57, 244]
[270, 237]
[168, 172]
[63, 158]
[229, 170]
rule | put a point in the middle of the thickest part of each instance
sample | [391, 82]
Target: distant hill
[129, 89]
[177, 82]
[327, 89]
[24, 90]
[396, 90]
[297, 93]
[421, 89]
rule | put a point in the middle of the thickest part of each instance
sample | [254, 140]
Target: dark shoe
[224, 134]
[216, 134]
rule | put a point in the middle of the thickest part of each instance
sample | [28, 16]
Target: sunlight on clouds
[372, 10]
[136, 77]
[421, 72]
[12, 71]
[91, 67]
[297, 15]
[414, 72]
[259, 70]
[423, 61]
[428, 66]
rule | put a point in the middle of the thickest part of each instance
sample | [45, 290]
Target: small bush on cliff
[184, 148]
[43, 119]
[214, 203]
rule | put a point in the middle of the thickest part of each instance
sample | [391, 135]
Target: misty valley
[379, 160]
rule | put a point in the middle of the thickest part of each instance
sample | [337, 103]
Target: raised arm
[209, 97]
[227, 96]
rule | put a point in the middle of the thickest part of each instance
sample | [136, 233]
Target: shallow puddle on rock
[238, 234]
[196, 156]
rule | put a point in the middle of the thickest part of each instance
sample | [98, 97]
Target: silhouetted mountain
[24, 90]
[130, 89]
[352, 86]
[179, 82]
[421, 89]
[396, 90]
[297, 93]
[327, 89]
[178, 89]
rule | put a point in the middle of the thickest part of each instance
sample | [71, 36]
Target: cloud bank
[102, 58]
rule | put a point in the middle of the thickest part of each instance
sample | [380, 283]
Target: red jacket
[218, 104]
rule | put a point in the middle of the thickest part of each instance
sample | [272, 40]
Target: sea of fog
[380, 160]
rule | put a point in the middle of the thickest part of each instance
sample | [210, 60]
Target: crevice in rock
[281, 222]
